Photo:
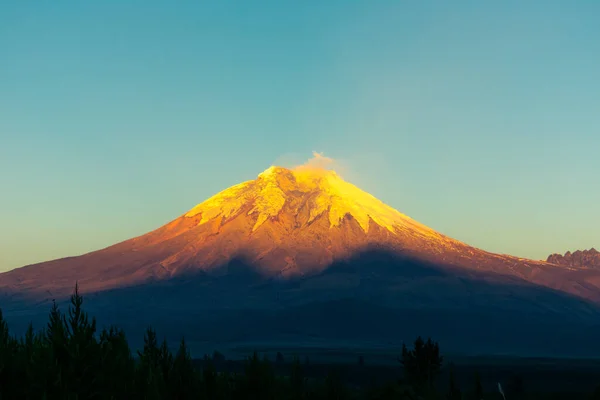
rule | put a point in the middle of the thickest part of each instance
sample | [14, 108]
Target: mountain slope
[285, 224]
[292, 243]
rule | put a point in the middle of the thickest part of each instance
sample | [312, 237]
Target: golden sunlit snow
[324, 189]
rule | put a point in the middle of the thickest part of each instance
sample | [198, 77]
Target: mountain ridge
[578, 259]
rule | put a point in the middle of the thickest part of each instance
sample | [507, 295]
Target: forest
[71, 359]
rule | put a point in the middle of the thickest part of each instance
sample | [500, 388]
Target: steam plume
[320, 162]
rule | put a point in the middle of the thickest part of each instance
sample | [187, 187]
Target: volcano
[310, 255]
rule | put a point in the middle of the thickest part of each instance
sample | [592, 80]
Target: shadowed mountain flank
[375, 298]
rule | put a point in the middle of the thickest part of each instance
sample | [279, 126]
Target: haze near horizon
[479, 121]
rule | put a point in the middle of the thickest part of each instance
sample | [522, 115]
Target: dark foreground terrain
[70, 359]
[527, 378]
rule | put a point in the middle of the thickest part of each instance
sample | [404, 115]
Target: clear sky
[480, 119]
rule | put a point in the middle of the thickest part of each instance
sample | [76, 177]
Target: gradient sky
[480, 119]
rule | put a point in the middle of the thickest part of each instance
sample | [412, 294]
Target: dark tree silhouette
[515, 388]
[334, 389]
[150, 382]
[258, 381]
[454, 392]
[361, 361]
[82, 367]
[478, 391]
[8, 360]
[422, 364]
[117, 360]
[596, 394]
[209, 375]
[165, 361]
[218, 357]
[279, 358]
[182, 383]
[297, 380]
[56, 340]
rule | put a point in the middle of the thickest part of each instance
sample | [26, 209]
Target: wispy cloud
[318, 161]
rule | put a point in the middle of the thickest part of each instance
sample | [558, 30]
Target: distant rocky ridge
[584, 259]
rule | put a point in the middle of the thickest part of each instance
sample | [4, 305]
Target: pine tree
[150, 382]
[117, 364]
[82, 348]
[297, 380]
[454, 392]
[516, 388]
[209, 378]
[218, 358]
[5, 350]
[258, 382]
[334, 388]
[596, 394]
[58, 356]
[478, 392]
[33, 359]
[183, 379]
[279, 358]
[8, 362]
[165, 361]
[361, 361]
[422, 364]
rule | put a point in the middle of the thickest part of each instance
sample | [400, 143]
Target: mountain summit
[306, 194]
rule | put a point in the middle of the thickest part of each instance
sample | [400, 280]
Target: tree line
[70, 359]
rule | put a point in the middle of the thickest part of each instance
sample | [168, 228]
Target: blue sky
[479, 119]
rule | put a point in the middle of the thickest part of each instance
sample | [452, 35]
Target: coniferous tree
[5, 357]
[595, 394]
[182, 381]
[58, 356]
[361, 361]
[8, 361]
[478, 392]
[32, 364]
[516, 388]
[165, 361]
[279, 358]
[454, 392]
[297, 380]
[83, 352]
[218, 357]
[209, 378]
[117, 363]
[334, 388]
[258, 380]
[5, 340]
[150, 382]
[422, 364]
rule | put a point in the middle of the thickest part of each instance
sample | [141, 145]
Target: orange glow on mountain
[287, 222]
[322, 189]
